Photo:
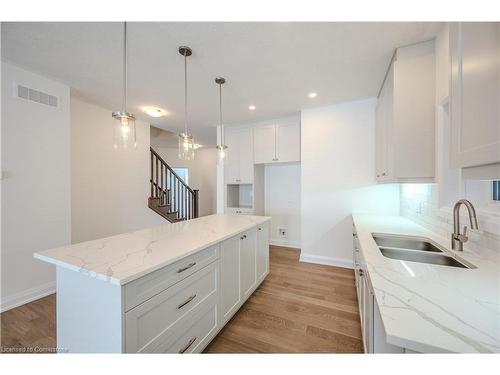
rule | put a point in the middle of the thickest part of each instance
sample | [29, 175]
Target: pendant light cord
[185, 93]
[220, 115]
[125, 67]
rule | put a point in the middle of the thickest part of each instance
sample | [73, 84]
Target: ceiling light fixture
[154, 111]
[251, 107]
[124, 132]
[221, 146]
[312, 95]
[186, 142]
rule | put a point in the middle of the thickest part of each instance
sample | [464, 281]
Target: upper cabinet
[239, 164]
[475, 94]
[278, 142]
[405, 117]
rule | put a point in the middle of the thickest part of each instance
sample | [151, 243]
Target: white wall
[202, 174]
[109, 188]
[35, 187]
[338, 178]
[282, 202]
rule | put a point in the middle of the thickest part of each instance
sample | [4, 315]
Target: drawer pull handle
[186, 268]
[188, 345]
[186, 301]
[259, 228]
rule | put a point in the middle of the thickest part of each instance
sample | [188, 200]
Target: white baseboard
[284, 243]
[329, 261]
[21, 298]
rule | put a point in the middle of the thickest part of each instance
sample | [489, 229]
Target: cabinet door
[367, 325]
[288, 142]
[230, 277]
[232, 165]
[264, 144]
[262, 251]
[475, 93]
[246, 156]
[248, 262]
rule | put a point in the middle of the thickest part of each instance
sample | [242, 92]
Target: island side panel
[89, 314]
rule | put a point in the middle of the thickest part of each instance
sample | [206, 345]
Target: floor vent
[36, 96]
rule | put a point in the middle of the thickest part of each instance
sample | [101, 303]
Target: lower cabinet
[248, 262]
[230, 277]
[372, 328]
[262, 266]
[186, 316]
[244, 265]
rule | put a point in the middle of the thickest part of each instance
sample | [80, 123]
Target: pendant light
[221, 146]
[186, 142]
[124, 132]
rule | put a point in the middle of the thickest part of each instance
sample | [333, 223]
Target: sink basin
[416, 249]
[421, 257]
[402, 242]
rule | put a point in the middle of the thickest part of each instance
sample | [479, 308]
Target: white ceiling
[270, 65]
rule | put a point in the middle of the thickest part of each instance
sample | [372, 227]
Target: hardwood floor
[299, 308]
[30, 328]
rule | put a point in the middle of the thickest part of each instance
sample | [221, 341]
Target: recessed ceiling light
[312, 95]
[251, 107]
[154, 111]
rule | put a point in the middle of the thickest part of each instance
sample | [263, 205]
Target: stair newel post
[195, 206]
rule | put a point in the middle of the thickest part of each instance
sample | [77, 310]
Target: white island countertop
[432, 308]
[126, 257]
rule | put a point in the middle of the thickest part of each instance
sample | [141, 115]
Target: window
[183, 173]
[496, 191]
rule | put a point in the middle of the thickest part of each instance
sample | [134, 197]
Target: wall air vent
[36, 96]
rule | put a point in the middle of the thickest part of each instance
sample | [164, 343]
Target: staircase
[170, 196]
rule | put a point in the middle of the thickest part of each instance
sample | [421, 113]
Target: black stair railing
[170, 196]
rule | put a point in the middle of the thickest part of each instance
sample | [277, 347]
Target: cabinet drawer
[147, 323]
[192, 334]
[146, 287]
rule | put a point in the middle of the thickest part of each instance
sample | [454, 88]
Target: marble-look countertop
[126, 257]
[432, 308]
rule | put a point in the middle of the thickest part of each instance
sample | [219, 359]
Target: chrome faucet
[458, 239]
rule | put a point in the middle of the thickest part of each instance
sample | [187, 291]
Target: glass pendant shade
[221, 146]
[186, 146]
[124, 131]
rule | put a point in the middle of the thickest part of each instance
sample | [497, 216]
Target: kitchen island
[166, 289]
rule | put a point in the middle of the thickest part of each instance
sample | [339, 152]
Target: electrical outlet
[282, 232]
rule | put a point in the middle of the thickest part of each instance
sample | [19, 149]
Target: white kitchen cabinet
[264, 145]
[262, 251]
[278, 142]
[475, 94]
[248, 259]
[405, 117]
[230, 277]
[372, 329]
[239, 164]
[288, 141]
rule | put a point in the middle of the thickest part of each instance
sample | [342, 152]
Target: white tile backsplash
[419, 202]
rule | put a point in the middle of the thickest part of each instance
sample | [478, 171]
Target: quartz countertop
[126, 257]
[432, 308]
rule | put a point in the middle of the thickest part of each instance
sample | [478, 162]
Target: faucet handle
[462, 237]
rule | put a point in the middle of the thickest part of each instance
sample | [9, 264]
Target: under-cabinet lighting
[251, 107]
[312, 95]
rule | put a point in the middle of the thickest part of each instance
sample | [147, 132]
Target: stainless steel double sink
[417, 249]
